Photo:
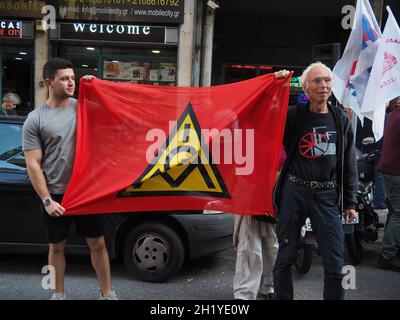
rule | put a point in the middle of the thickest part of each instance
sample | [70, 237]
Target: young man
[49, 136]
[319, 179]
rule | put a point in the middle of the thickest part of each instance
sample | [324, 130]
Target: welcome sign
[112, 32]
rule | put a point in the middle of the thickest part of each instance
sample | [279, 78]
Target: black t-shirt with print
[315, 157]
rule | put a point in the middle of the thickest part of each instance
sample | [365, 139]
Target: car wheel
[304, 258]
[153, 252]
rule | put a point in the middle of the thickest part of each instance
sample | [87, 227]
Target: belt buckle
[313, 184]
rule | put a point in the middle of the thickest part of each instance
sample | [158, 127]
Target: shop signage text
[112, 32]
[22, 8]
[10, 28]
[109, 28]
[138, 11]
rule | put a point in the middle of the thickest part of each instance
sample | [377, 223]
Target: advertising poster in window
[153, 75]
[128, 71]
[163, 72]
[111, 70]
[167, 72]
[139, 71]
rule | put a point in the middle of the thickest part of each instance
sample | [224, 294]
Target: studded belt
[319, 185]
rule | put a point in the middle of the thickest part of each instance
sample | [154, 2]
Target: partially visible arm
[33, 160]
[350, 176]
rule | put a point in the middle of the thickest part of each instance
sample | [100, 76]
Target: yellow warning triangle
[183, 165]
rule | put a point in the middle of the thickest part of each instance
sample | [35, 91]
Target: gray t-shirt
[54, 131]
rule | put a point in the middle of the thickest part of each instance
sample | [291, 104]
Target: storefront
[131, 41]
[120, 52]
[17, 50]
[114, 42]
[282, 34]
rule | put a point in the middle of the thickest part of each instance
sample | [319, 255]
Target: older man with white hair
[318, 179]
[9, 103]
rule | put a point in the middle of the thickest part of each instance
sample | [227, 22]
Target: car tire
[153, 252]
[304, 258]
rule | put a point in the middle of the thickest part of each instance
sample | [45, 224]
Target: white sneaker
[57, 296]
[109, 296]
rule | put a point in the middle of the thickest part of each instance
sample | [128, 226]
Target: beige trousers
[257, 246]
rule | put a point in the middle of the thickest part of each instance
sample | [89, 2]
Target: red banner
[149, 148]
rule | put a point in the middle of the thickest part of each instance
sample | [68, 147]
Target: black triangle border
[224, 194]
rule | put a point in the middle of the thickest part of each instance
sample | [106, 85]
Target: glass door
[17, 66]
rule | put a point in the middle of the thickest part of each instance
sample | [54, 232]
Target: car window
[11, 154]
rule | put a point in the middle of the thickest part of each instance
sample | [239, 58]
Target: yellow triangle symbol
[183, 166]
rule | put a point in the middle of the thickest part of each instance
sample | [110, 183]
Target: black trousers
[296, 204]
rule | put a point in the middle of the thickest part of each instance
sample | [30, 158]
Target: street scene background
[208, 278]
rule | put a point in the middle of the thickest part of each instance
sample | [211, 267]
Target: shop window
[84, 66]
[17, 77]
[152, 65]
[155, 66]
[234, 72]
[158, 73]
[149, 53]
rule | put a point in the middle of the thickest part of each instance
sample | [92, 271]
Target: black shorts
[88, 226]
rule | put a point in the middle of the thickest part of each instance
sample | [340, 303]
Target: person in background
[393, 105]
[364, 131]
[256, 248]
[389, 165]
[9, 104]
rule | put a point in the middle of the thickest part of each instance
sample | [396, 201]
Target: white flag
[384, 82]
[351, 73]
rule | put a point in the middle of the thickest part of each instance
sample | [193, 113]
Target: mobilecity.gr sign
[10, 29]
[112, 32]
[138, 11]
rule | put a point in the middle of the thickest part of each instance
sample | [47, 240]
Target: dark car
[153, 245]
